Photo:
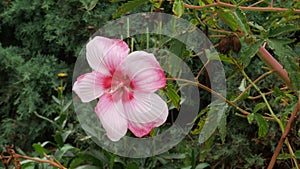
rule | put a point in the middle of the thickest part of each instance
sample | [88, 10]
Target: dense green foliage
[39, 39]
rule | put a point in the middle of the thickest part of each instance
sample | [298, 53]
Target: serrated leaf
[258, 107]
[126, 7]
[283, 29]
[262, 125]
[255, 25]
[173, 96]
[289, 60]
[241, 19]
[227, 17]
[178, 8]
[250, 52]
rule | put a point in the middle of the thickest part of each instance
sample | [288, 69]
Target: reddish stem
[267, 58]
[284, 135]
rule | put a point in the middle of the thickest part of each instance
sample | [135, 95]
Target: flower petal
[140, 130]
[137, 125]
[145, 108]
[111, 116]
[105, 55]
[144, 71]
[90, 86]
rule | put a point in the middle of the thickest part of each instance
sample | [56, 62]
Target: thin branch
[217, 95]
[245, 8]
[248, 87]
[284, 135]
[256, 3]
[268, 93]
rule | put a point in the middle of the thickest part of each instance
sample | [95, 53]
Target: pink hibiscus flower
[125, 85]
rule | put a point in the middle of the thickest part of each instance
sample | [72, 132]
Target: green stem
[262, 95]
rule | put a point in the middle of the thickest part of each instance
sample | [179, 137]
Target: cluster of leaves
[38, 40]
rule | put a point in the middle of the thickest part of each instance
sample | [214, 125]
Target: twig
[256, 3]
[268, 93]
[245, 8]
[6, 160]
[248, 87]
[284, 135]
[217, 95]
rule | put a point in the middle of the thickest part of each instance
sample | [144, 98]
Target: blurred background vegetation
[40, 39]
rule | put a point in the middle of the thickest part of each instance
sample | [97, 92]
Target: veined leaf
[228, 17]
[126, 7]
[262, 124]
[178, 8]
[258, 107]
[283, 29]
[289, 60]
[241, 19]
[250, 52]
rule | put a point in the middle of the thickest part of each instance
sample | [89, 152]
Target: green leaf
[87, 167]
[59, 154]
[283, 29]
[178, 8]
[262, 125]
[39, 149]
[58, 139]
[223, 128]
[56, 99]
[202, 166]
[250, 117]
[225, 58]
[67, 106]
[227, 16]
[249, 53]
[126, 7]
[132, 165]
[258, 107]
[173, 156]
[243, 84]
[173, 95]
[89, 4]
[288, 58]
[212, 55]
[241, 19]
[255, 25]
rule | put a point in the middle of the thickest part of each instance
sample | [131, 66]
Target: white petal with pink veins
[111, 117]
[145, 108]
[89, 86]
[144, 72]
[142, 129]
[105, 55]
